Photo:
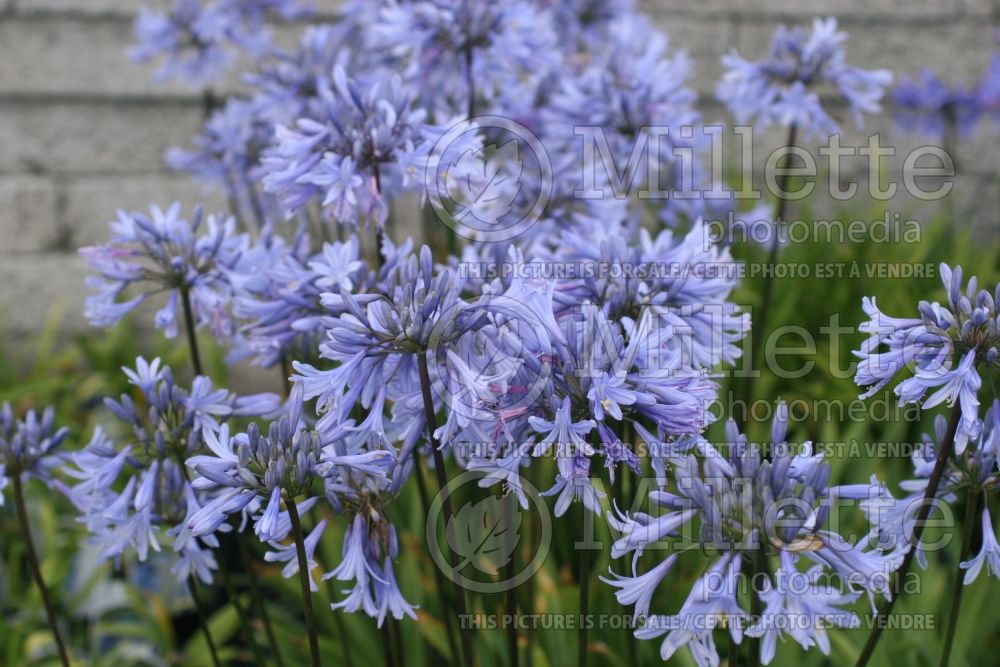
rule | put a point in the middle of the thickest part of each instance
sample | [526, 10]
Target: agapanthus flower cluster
[973, 475]
[937, 108]
[364, 144]
[566, 366]
[226, 155]
[944, 350]
[929, 105]
[631, 89]
[988, 89]
[280, 301]
[371, 543]
[273, 468]
[199, 41]
[582, 23]
[467, 57]
[376, 342]
[259, 474]
[29, 447]
[785, 87]
[773, 497]
[169, 426]
[166, 253]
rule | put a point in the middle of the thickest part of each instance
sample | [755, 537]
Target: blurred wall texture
[83, 130]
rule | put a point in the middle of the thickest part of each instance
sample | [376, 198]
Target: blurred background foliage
[134, 614]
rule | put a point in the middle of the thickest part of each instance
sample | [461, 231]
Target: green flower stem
[199, 607]
[390, 660]
[582, 643]
[969, 530]
[258, 600]
[192, 338]
[35, 567]
[947, 445]
[509, 571]
[442, 479]
[418, 473]
[300, 550]
[331, 593]
[758, 334]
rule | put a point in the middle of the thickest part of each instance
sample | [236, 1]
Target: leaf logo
[485, 533]
[484, 182]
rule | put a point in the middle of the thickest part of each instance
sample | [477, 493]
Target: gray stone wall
[83, 131]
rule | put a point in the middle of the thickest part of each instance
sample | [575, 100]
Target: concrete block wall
[83, 130]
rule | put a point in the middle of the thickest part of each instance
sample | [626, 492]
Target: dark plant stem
[285, 374]
[345, 647]
[758, 331]
[529, 585]
[390, 660]
[581, 655]
[442, 479]
[418, 473]
[756, 604]
[300, 550]
[947, 444]
[510, 600]
[971, 512]
[199, 607]
[758, 334]
[379, 228]
[397, 638]
[258, 600]
[627, 490]
[35, 567]
[470, 87]
[255, 204]
[191, 336]
[241, 614]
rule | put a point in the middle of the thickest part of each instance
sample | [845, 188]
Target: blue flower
[164, 253]
[801, 605]
[784, 87]
[928, 105]
[287, 554]
[502, 50]
[989, 553]
[638, 589]
[945, 346]
[972, 470]
[609, 394]
[344, 152]
[275, 468]
[29, 446]
[711, 604]
[157, 493]
[743, 502]
[199, 41]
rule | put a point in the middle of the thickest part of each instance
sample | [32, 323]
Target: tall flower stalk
[947, 347]
[36, 570]
[442, 480]
[968, 531]
[783, 88]
[304, 579]
[29, 449]
[923, 511]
